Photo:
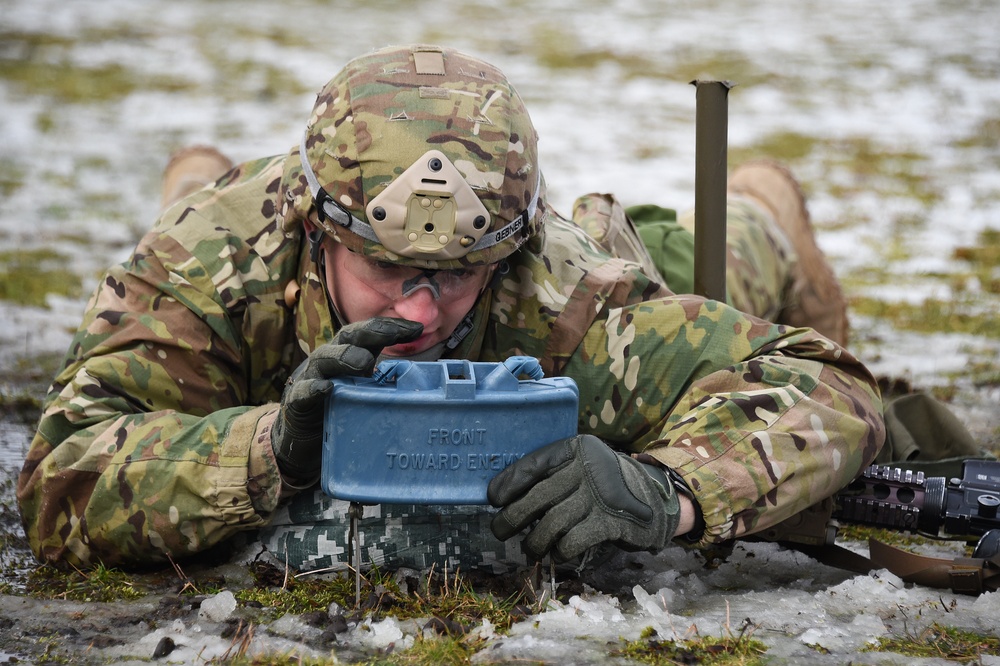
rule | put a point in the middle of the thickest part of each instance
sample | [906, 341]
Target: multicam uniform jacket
[155, 438]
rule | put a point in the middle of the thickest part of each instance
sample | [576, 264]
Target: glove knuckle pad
[608, 476]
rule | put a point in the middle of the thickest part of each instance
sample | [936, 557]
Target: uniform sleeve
[147, 446]
[761, 421]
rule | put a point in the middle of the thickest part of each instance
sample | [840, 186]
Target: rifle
[897, 499]
[936, 507]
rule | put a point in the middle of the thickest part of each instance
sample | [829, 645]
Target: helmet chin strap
[318, 257]
[434, 353]
[315, 238]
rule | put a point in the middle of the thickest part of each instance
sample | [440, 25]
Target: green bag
[923, 434]
[670, 245]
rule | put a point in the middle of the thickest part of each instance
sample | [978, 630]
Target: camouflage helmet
[423, 156]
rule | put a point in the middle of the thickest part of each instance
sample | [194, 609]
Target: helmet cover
[423, 156]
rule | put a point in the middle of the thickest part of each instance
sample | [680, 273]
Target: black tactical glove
[583, 493]
[297, 436]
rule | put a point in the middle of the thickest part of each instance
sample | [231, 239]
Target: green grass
[98, 583]
[786, 146]
[443, 650]
[39, 64]
[449, 597]
[11, 177]
[984, 260]
[730, 649]
[556, 48]
[929, 316]
[27, 277]
[862, 533]
[73, 84]
[23, 404]
[942, 642]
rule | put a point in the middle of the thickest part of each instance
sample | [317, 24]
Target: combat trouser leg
[759, 256]
[312, 532]
[766, 231]
[775, 270]
[814, 298]
[759, 259]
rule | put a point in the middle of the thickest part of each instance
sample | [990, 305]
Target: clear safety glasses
[396, 282]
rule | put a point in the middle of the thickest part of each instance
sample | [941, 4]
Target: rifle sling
[962, 575]
[834, 556]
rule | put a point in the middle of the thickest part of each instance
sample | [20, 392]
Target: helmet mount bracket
[429, 211]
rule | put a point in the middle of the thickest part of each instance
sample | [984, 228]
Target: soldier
[411, 221]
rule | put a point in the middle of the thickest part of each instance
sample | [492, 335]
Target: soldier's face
[363, 288]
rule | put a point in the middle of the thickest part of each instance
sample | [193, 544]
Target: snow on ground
[913, 81]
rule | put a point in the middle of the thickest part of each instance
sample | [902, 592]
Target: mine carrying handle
[461, 376]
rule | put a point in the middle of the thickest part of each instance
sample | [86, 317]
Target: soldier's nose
[420, 306]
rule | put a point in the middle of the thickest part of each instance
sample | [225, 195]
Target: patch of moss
[35, 371]
[100, 583]
[248, 77]
[857, 279]
[930, 316]
[848, 217]
[871, 167]
[978, 65]
[449, 597]
[299, 597]
[982, 366]
[45, 121]
[986, 135]
[863, 533]
[942, 642]
[11, 177]
[39, 64]
[271, 659]
[28, 276]
[786, 146]
[884, 170]
[691, 63]
[25, 44]
[443, 650]
[891, 249]
[740, 649]
[984, 258]
[93, 163]
[251, 77]
[280, 35]
[944, 393]
[52, 650]
[23, 405]
[557, 48]
[68, 82]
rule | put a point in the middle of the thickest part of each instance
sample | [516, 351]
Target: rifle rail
[907, 500]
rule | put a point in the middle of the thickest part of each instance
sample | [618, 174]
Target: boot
[815, 298]
[189, 170]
